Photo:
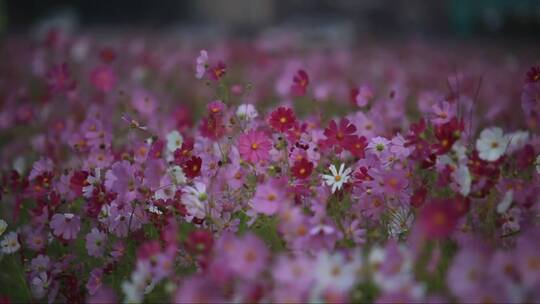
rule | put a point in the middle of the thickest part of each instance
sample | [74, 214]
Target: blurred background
[341, 20]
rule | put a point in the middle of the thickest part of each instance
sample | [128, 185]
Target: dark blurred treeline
[501, 18]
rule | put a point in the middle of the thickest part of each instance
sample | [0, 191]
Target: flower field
[155, 168]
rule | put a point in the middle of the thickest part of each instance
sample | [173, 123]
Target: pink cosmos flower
[66, 225]
[254, 146]
[250, 256]
[95, 281]
[103, 78]
[268, 198]
[95, 242]
[202, 64]
[443, 112]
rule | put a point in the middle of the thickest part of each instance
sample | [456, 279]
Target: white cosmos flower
[3, 226]
[462, 180]
[517, 140]
[492, 144]
[177, 175]
[246, 111]
[174, 141]
[503, 206]
[337, 178]
[335, 272]
[195, 199]
[10, 243]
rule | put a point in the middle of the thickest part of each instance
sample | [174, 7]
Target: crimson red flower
[218, 71]
[302, 168]
[525, 157]
[447, 135]
[78, 181]
[282, 119]
[300, 83]
[418, 197]
[340, 136]
[59, 79]
[180, 155]
[533, 75]
[199, 242]
[212, 127]
[107, 55]
[156, 149]
[357, 146]
[438, 219]
[192, 167]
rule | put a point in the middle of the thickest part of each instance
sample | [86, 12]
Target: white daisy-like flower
[246, 112]
[10, 243]
[337, 178]
[177, 175]
[505, 203]
[462, 180]
[195, 199]
[492, 144]
[174, 141]
[3, 226]
[516, 140]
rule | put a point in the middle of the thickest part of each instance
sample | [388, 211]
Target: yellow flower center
[254, 146]
[337, 178]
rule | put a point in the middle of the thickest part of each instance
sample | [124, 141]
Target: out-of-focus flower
[361, 96]
[300, 83]
[195, 199]
[10, 243]
[3, 226]
[251, 256]
[492, 144]
[59, 79]
[268, 198]
[246, 112]
[95, 242]
[533, 75]
[337, 178]
[438, 219]
[40, 285]
[65, 225]
[174, 141]
[333, 272]
[517, 140]
[444, 112]
[202, 64]
[218, 71]
[103, 78]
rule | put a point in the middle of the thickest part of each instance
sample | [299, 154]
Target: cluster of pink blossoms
[147, 170]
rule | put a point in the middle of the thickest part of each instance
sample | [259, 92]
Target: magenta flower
[66, 225]
[249, 256]
[254, 146]
[103, 78]
[59, 79]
